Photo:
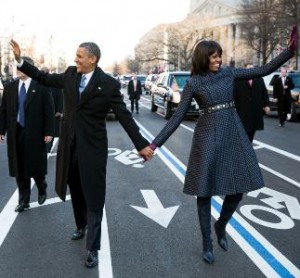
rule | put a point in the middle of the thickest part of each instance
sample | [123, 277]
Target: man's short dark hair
[92, 48]
[28, 60]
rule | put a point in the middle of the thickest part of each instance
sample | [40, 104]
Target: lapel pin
[99, 88]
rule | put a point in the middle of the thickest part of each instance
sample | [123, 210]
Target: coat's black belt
[217, 107]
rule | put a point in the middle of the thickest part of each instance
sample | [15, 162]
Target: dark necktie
[82, 84]
[22, 98]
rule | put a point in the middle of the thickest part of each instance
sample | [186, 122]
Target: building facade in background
[220, 21]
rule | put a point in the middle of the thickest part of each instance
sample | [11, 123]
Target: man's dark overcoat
[134, 94]
[39, 122]
[84, 120]
[57, 95]
[250, 101]
[279, 92]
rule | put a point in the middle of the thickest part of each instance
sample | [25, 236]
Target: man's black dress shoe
[42, 198]
[92, 259]
[21, 207]
[42, 194]
[79, 233]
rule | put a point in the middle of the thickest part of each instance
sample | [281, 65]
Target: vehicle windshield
[296, 80]
[141, 78]
[180, 80]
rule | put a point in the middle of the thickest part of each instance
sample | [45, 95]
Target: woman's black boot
[204, 213]
[221, 235]
[230, 204]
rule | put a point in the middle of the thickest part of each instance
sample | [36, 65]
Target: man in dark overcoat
[134, 91]
[82, 152]
[282, 94]
[29, 125]
[252, 102]
[57, 95]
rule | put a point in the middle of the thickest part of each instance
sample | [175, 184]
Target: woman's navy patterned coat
[222, 160]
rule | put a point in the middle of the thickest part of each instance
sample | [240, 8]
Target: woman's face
[215, 61]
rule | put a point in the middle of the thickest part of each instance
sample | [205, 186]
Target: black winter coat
[57, 96]
[85, 119]
[134, 94]
[39, 122]
[250, 101]
[279, 92]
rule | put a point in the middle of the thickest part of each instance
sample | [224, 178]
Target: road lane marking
[155, 210]
[8, 214]
[283, 177]
[268, 169]
[269, 259]
[8, 217]
[259, 144]
[105, 264]
[277, 150]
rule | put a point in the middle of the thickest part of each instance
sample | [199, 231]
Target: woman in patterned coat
[222, 160]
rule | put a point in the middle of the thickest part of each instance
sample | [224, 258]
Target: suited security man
[27, 117]
[251, 101]
[57, 96]
[134, 91]
[282, 94]
[82, 150]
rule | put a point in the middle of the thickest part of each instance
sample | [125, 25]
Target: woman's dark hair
[200, 60]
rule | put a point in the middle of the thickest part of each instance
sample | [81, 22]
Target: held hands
[146, 153]
[2, 138]
[293, 42]
[16, 50]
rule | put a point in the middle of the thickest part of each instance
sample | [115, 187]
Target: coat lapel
[92, 87]
[15, 97]
[30, 93]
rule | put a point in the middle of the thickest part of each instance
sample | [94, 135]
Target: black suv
[166, 93]
[295, 108]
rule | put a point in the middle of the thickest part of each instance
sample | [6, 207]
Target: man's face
[283, 72]
[21, 75]
[85, 62]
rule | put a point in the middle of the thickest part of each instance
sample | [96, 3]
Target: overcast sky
[115, 25]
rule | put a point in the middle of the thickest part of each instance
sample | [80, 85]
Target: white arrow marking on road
[155, 209]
